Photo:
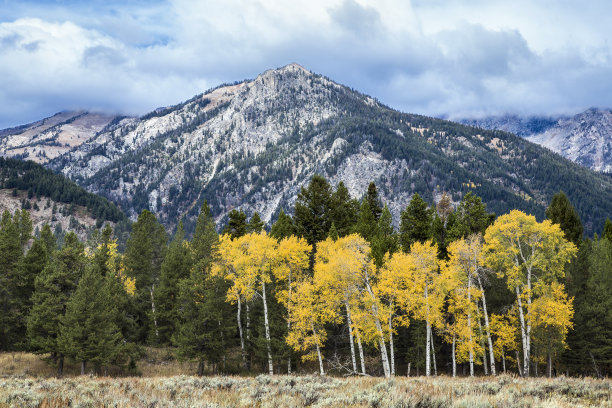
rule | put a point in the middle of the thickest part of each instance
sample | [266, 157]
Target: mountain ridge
[253, 144]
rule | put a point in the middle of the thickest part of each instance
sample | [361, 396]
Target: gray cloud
[452, 58]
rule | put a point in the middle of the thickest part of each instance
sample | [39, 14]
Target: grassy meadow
[26, 381]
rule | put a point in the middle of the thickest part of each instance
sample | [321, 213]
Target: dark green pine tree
[333, 232]
[205, 332]
[607, 230]
[373, 200]
[255, 224]
[11, 296]
[366, 222]
[471, 217]
[236, 225]
[283, 227]
[176, 267]
[344, 210]
[562, 212]
[144, 254]
[415, 223]
[52, 289]
[313, 211]
[88, 332]
[386, 240]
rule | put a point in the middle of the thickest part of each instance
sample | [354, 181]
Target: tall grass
[304, 391]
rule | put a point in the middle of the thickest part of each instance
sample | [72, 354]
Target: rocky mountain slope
[51, 137]
[585, 138]
[254, 144]
[52, 199]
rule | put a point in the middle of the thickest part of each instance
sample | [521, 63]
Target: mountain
[585, 138]
[51, 137]
[52, 199]
[254, 144]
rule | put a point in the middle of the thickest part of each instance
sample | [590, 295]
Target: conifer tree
[373, 201]
[344, 210]
[471, 217]
[255, 224]
[416, 222]
[53, 288]
[607, 231]
[204, 333]
[236, 225]
[11, 303]
[562, 212]
[366, 222]
[176, 266]
[144, 254]
[88, 332]
[313, 211]
[283, 227]
[385, 240]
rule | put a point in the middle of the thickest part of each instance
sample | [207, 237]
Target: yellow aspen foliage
[293, 259]
[310, 313]
[505, 328]
[530, 256]
[552, 313]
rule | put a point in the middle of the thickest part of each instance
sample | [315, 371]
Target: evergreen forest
[334, 289]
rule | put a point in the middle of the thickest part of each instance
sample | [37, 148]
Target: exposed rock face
[43, 210]
[254, 144]
[585, 138]
[51, 137]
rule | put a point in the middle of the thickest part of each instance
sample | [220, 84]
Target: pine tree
[236, 225]
[471, 218]
[385, 240]
[88, 332]
[607, 231]
[53, 288]
[11, 296]
[144, 254]
[255, 224]
[562, 212]
[344, 210]
[313, 210]
[283, 227]
[204, 332]
[373, 201]
[176, 267]
[366, 222]
[416, 222]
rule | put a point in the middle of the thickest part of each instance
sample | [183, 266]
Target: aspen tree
[525, 253]
[293, 259]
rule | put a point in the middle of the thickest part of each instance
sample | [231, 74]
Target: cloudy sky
[444, 58]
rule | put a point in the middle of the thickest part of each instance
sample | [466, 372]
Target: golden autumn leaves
[448, 295]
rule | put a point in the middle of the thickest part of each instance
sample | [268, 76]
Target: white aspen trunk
[433, 353]
[269, 349]
[518, 363]
[350, 329]
[391, 351]
[427, 341]
[525, 371]
[244, 361]
[527, 355]
[361, 356]
[381, 340]
[289, 324]
[454, 358]
[469, 322]
[487, 327]
[153, 312]
[503, 354]
[321, 371]
[549, 365]
[484, 348]
[248, 322]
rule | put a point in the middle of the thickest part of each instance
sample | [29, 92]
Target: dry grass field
[161, 387]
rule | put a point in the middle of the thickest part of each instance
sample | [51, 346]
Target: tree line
[334, 288]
